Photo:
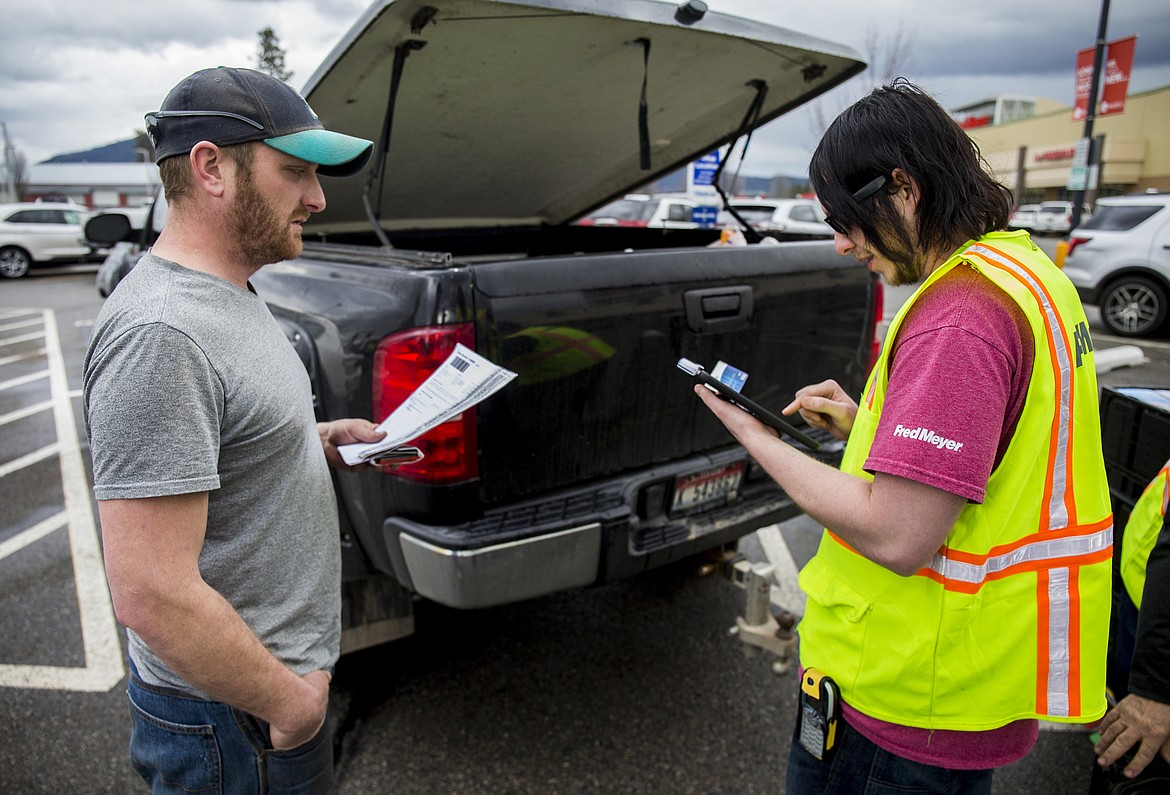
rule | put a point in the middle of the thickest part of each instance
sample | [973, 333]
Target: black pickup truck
[497, 124]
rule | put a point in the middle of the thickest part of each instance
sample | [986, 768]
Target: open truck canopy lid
[510, 114]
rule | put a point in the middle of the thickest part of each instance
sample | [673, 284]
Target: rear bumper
[501, 573]
[586, 536]
[1088, 295]
[1087, 282]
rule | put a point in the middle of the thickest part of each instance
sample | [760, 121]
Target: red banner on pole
[1118, 63]
[1084, 78]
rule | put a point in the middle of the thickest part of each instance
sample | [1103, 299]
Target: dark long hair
[899, 126]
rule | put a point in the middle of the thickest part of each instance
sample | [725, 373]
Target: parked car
[789, 219]
[132, 230]
[1024, 217]
[1057, 217]
[1119, 260]
[39, 232]
[639, 209]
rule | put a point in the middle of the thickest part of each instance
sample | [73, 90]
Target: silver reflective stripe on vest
[1059, 653]
[1059, 595]
[1044, 549]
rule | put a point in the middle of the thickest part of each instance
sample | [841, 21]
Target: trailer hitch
[758, 629]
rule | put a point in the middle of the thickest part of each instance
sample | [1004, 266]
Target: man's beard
[262, 235]
[908, 260]
[907, 272]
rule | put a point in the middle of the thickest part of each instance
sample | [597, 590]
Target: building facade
[1034, 155]
[96, 185]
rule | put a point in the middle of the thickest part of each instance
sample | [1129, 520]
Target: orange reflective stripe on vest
[1059, 496]
[1058, 647]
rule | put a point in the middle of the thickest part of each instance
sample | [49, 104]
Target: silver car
[1119, 260]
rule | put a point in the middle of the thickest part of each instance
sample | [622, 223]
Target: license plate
[708, 487]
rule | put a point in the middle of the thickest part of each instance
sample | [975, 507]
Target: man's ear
[207, 161]
[906, 186]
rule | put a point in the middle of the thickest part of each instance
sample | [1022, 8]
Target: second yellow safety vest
[1141, 533]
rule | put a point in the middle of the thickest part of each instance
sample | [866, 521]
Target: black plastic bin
[1135, 435]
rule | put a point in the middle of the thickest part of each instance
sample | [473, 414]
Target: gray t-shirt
[190, 385]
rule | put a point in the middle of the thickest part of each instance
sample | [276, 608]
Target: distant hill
[117, 152]
[674, 182]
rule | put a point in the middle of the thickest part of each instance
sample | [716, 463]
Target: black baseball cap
[227, 106]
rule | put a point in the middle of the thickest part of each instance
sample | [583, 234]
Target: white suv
[1056, 217]
[1119, 260]
[39, 232]
[787, 218]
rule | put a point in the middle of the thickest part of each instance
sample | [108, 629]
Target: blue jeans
[858, 767]
[180, 744]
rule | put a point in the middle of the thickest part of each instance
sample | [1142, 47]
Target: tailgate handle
[716, 309]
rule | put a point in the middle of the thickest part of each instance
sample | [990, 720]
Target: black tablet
[701, 375]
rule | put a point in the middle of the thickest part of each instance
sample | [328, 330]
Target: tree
[19, 174]
[888, 58]
[270, 56]
[15, 168]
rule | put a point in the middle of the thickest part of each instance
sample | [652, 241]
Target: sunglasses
[863, 193]
[152, 119]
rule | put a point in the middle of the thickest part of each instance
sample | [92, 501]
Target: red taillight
[879, 309]
[1073, 242]
[402, 362]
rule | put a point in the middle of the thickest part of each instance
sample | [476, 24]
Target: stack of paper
[463, 380]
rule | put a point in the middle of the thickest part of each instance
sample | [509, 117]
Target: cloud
[79, 74]
[76, 74]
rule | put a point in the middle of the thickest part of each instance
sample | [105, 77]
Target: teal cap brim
[336, 154]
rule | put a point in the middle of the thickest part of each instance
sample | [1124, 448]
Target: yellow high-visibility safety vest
[1010, 618]
[1141, 533]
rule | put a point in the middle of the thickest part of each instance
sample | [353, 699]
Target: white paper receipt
[461, 381]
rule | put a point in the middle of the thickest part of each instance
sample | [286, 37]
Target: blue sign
[703, 170]
[704, 216]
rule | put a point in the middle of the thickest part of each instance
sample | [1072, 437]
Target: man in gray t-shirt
[239, 427]
[219, 523]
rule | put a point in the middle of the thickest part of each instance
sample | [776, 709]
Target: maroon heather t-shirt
[960, 369]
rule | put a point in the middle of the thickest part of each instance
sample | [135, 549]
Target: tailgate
[493, 114]
[595, 341]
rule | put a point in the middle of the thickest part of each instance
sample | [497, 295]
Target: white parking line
[28, 459]
[22, 338]
[27, 411]
[22, 380]
[99, 632]
[1141, 343]
[22, 357]
[34, 533]
[785, 591]
[32, 321]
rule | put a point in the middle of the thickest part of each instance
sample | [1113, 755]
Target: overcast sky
[77, 74]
